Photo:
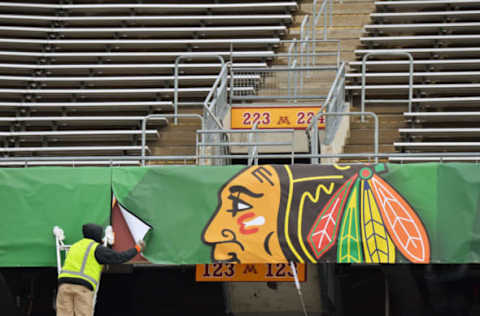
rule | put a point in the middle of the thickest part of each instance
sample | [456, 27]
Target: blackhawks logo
[345, 214]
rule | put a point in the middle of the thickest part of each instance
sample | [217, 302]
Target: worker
[82, 268]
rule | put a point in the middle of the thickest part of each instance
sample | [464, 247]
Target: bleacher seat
[116, 60]
[426, 16]
[442, 36]
[430, 65]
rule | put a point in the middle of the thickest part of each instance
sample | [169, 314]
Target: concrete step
[365, 136]
[352, 6]
[381, 108]
[383, 123]
[311, 76]
[364, 161]
[382, 148]
[186, 138]
[282, 90]
[172, 162]
[172, 150]
[334, 32]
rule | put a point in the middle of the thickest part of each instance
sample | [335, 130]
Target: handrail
[316, 14]
[252, 155]
[73, 159]
[222, 76]
[410, 80]
[375, 133]
[163, 117]
[312, 128]
[305, 40]
[253, 151]
[329, 95]
[177, 62]
[298, 56]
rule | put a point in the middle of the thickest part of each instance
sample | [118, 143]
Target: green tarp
[385, 213]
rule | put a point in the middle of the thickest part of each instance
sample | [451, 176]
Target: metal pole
[314, 31]
[299, 289]
[375, 120]
[314, 141]
[144, 128]
[364, 71]
[290, 65]
[232, 75]
[338, 54]
[331, 12]
[410, 82]
[293, 147]
[325, 20]
[175, 92]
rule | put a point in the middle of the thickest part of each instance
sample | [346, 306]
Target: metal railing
[325, 10]
[75, 161]
[336, 95]
[410, 81]
[252, 143]
[292, 68]
[210, 102]
[252, 151]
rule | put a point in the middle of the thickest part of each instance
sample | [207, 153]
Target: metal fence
[251, 142]
[334, 103]
[296, 75]
[442, 157]
[364, 80]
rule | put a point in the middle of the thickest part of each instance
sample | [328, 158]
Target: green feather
[349, 248]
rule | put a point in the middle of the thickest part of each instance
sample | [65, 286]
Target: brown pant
[74, 300]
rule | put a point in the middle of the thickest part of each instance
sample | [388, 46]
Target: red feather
[403, 225]
[323, 234]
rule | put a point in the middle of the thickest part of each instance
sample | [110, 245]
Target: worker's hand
[141, 243]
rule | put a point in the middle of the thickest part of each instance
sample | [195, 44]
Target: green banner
[384, 213]
[33, 200]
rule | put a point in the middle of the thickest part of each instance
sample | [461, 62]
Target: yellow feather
[378, 247]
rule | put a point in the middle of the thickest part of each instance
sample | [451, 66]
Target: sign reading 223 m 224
[274, 117]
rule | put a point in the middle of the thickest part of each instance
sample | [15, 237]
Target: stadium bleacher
[114, 63]
[442, 38]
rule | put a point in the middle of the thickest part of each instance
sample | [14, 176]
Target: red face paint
[241, 222]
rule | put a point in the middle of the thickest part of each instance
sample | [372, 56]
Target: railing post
[291, 60]
[314, 141]
[313, 126]
[144, 127]
[175, 91]
[325, 20]
[375, 131]
[314, 31]
[364, 71]
[364, 74]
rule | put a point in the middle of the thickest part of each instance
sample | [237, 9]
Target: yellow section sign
[275, 117]
[232, 272]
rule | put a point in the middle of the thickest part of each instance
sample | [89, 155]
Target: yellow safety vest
[81, 263]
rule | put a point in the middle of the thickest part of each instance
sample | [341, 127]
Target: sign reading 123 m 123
[265, 272]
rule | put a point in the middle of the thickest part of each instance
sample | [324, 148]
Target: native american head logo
[348, 214]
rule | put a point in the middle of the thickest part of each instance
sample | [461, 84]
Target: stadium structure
[218, 84]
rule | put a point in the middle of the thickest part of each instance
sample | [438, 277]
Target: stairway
[349, 17]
